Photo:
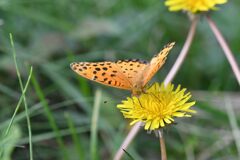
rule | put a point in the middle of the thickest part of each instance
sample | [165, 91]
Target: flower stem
[225, 48]
[127, 140]
[171, 74]
[162, 146]
[133, 132]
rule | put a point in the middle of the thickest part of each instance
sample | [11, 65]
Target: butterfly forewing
[124, 74]
[156, 63]
[132, 69]
[107, 73]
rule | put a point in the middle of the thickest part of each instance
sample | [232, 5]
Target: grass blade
[128, 154]
[75, 137]
[49, 115]
[51, 135]
[94, 125]
[17, 108]
[233, 123]
[24, 98]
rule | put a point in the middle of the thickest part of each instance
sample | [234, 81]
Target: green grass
[94, 126]
[76, 140]
[22, 98]
[50, 117]
[55, 114]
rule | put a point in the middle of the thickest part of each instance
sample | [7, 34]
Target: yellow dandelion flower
[193, 6]
[158, 106]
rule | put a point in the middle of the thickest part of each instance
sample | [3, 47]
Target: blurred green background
[49, 35]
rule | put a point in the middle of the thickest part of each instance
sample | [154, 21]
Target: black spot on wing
[105, 68]
[132, 60]
[95, 77]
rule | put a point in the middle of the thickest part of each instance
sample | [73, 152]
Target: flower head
[193, 6]
[157, 106]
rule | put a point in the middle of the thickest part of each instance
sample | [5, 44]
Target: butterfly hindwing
[156, 63]
[102, 72]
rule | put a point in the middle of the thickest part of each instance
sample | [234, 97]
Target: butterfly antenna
[155, 97]
[139, 102]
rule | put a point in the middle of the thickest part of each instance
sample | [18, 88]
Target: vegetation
[62, 106]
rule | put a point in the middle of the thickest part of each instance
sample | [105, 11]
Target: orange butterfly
[131, 74]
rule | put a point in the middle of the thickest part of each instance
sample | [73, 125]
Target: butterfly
[132, 74]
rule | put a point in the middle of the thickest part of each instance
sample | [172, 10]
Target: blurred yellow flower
[193, 6]
[157, 106]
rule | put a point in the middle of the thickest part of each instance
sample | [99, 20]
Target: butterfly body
[132, 74]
